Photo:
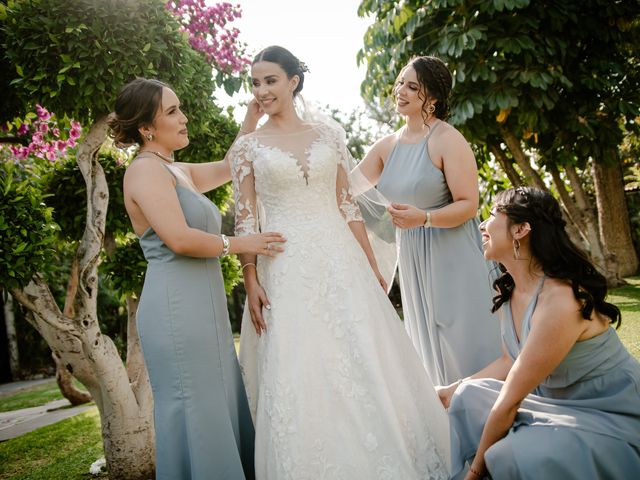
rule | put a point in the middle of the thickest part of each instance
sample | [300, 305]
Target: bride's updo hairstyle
[287, 61]
[136, 106]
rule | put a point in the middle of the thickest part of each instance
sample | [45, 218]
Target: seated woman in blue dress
[563, 401]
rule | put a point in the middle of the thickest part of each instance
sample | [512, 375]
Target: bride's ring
[268, 247]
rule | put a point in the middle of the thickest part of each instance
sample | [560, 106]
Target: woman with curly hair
[563, 400]
[428, 171]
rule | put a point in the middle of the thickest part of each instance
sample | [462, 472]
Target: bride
[335, 386]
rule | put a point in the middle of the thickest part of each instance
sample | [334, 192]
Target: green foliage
[126, 266]
[73, 57]
[359, 136]
[565, 71]
[67, 195]
[27, 228]
[231, 272]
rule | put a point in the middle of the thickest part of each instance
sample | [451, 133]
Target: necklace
[158, 154]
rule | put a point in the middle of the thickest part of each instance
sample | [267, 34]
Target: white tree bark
[12, 338]
[122, 394]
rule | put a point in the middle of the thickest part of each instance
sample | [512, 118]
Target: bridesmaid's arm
[461, 173]
[498, 369]
[210, 175]
[152, 190]
[372, 164]
[553, 333]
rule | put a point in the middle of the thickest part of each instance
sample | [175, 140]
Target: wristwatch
[225, 245]
[427, 222]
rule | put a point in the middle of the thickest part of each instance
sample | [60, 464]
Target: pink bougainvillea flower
[37, 138]
[74, 134]
[43, 113]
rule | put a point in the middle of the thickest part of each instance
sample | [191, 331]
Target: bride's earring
[516, 249]
[431, 109]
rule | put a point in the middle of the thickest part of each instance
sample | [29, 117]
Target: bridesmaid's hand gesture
[445, 393]
[406, 216]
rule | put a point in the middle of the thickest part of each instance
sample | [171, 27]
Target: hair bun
[303, 66]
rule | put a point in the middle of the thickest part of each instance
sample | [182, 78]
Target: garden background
[547, 92]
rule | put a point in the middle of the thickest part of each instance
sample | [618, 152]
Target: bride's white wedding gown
[335, 386]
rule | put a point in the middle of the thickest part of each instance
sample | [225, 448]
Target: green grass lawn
[65, 450]
[33, 397]
[627, 298]
[62, 451]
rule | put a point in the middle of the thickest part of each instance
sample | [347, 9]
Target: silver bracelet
[247, 264]
[225, 245]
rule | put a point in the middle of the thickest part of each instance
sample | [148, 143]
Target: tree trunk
[64, 379]
[613, 215]
[506, 164]
[136, 368]
[125, 409]
[532, 177]
[581, 215]
[12, 338]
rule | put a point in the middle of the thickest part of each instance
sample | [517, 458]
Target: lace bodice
[287, 178]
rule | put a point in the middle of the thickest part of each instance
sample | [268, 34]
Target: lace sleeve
[346, 201]
[244, 192]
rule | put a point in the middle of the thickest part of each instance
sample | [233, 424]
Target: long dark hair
[552, 248]
[287, 61]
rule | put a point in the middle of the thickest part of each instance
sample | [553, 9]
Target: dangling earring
[431, 109]
[149, 136]
[516, 249]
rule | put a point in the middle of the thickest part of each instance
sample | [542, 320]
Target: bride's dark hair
[552, 248]
[287, 60]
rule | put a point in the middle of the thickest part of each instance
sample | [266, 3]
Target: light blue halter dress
[582, 422]
[202, 420]
[444, 279]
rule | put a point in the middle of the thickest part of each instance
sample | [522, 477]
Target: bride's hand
[257, 299]
[253, 115]
[381, 280]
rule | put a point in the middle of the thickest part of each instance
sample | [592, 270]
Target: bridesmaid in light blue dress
[428, 171]
[563, 402]
[202, 421]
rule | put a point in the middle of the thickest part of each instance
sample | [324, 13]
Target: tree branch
[532, 177]
[505, 163]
